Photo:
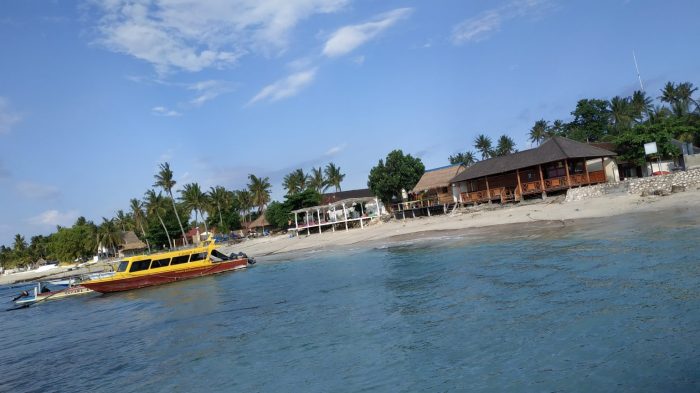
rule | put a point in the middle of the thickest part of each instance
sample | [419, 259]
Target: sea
[603, 305]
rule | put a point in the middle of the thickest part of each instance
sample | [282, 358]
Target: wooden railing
[597, 177]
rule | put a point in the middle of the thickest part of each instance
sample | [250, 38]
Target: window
[180, 259]
[122, 266]
[160, 263]
[198, 257]
[140, 265]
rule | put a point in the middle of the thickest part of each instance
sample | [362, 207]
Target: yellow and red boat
[166, 267]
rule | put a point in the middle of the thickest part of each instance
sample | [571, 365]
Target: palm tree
[155, 206]
[621, 113]
[641, 104]
[295, 182]
[164, 180]
[317, 181]
[467, 158]
[658, 113]
[538, 132]
[684, 92]
[137, 213]
[218, 196]
[19, 244]
[109, 235]
[195, 200]
[482, 144]
[245, 201]
[260, 191]
[558, 128]
[333, 176]
[505, 146]
[122, 220]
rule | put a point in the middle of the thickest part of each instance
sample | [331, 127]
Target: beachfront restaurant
[341, 214]
[556, 165]
[433, 194]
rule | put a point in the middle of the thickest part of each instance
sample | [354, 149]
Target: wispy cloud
[208, 90]
[54, 217]
[481, 27]
[335, 150]
[37, 191]
[284, 88]
[8, 117]
[163, 111]
[193, 35]
[348, 38]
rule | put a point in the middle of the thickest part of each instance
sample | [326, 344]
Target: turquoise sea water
[606, 305]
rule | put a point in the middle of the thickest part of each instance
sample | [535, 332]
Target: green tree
[538, 132]
[279, 214]
[622, 113]
[317, 181]
[467, 158]
[260, 191]
[398, 172]
[109, 235]
[333, 176]
[505, 146]
[123, 220]
[155, 206]
[193, 199]
[591, 119]
[137, 213]
[295, 181]
[641, 105]
[220, 197]
[483, 145]
[630, 144]
[164, 180]
[245, 202]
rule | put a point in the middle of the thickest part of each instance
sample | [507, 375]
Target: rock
[675, 189]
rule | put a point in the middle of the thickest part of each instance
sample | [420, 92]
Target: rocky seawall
[656, 185]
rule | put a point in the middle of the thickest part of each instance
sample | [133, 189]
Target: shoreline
[477, 223]
[483, 222]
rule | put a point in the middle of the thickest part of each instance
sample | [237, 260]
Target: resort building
[333, 197]
[556, 165]
[257, 226]
[131, 245]
[433, 194]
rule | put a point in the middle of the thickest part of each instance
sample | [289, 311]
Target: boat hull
[55, 295]
[135, 282]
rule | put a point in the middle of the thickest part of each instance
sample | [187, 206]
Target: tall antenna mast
[637, 67]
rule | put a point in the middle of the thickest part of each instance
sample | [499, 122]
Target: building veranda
[556, 165]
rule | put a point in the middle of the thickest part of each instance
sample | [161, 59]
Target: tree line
[627, 122]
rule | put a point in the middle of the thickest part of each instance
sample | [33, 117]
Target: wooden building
[433, 194]
[557, 164]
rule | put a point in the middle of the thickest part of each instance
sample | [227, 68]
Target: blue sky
[94, 94]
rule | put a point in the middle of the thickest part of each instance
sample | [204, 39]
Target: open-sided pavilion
[337, 215]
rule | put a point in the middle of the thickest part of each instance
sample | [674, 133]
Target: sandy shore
[484, 219]
[471, 221]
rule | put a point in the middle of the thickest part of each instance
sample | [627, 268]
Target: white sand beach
[485, 216]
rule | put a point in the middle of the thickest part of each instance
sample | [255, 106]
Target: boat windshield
[122, 266]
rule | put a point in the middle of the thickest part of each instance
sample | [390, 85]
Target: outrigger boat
[166, 267]
[42, 292]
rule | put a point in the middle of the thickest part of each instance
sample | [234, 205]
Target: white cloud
[286, 87]
[480, 27]
[37, 191]
[54, 217]
[348, 38]
[163, 111]
[335, 150]
[208, 90]
[193, 35]
[8, 117]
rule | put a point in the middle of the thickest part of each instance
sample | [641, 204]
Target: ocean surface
[596, 306]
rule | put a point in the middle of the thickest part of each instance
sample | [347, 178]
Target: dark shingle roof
[554, 149]
[340, 195]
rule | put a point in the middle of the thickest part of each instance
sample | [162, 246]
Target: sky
[95, 94]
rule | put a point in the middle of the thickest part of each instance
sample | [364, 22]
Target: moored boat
[162, 268]
[43, 291]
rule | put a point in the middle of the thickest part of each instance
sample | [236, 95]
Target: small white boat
[42, 292]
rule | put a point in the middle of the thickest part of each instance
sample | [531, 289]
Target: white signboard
[650, 148]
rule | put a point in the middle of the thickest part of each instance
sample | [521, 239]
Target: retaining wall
[640, 186]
